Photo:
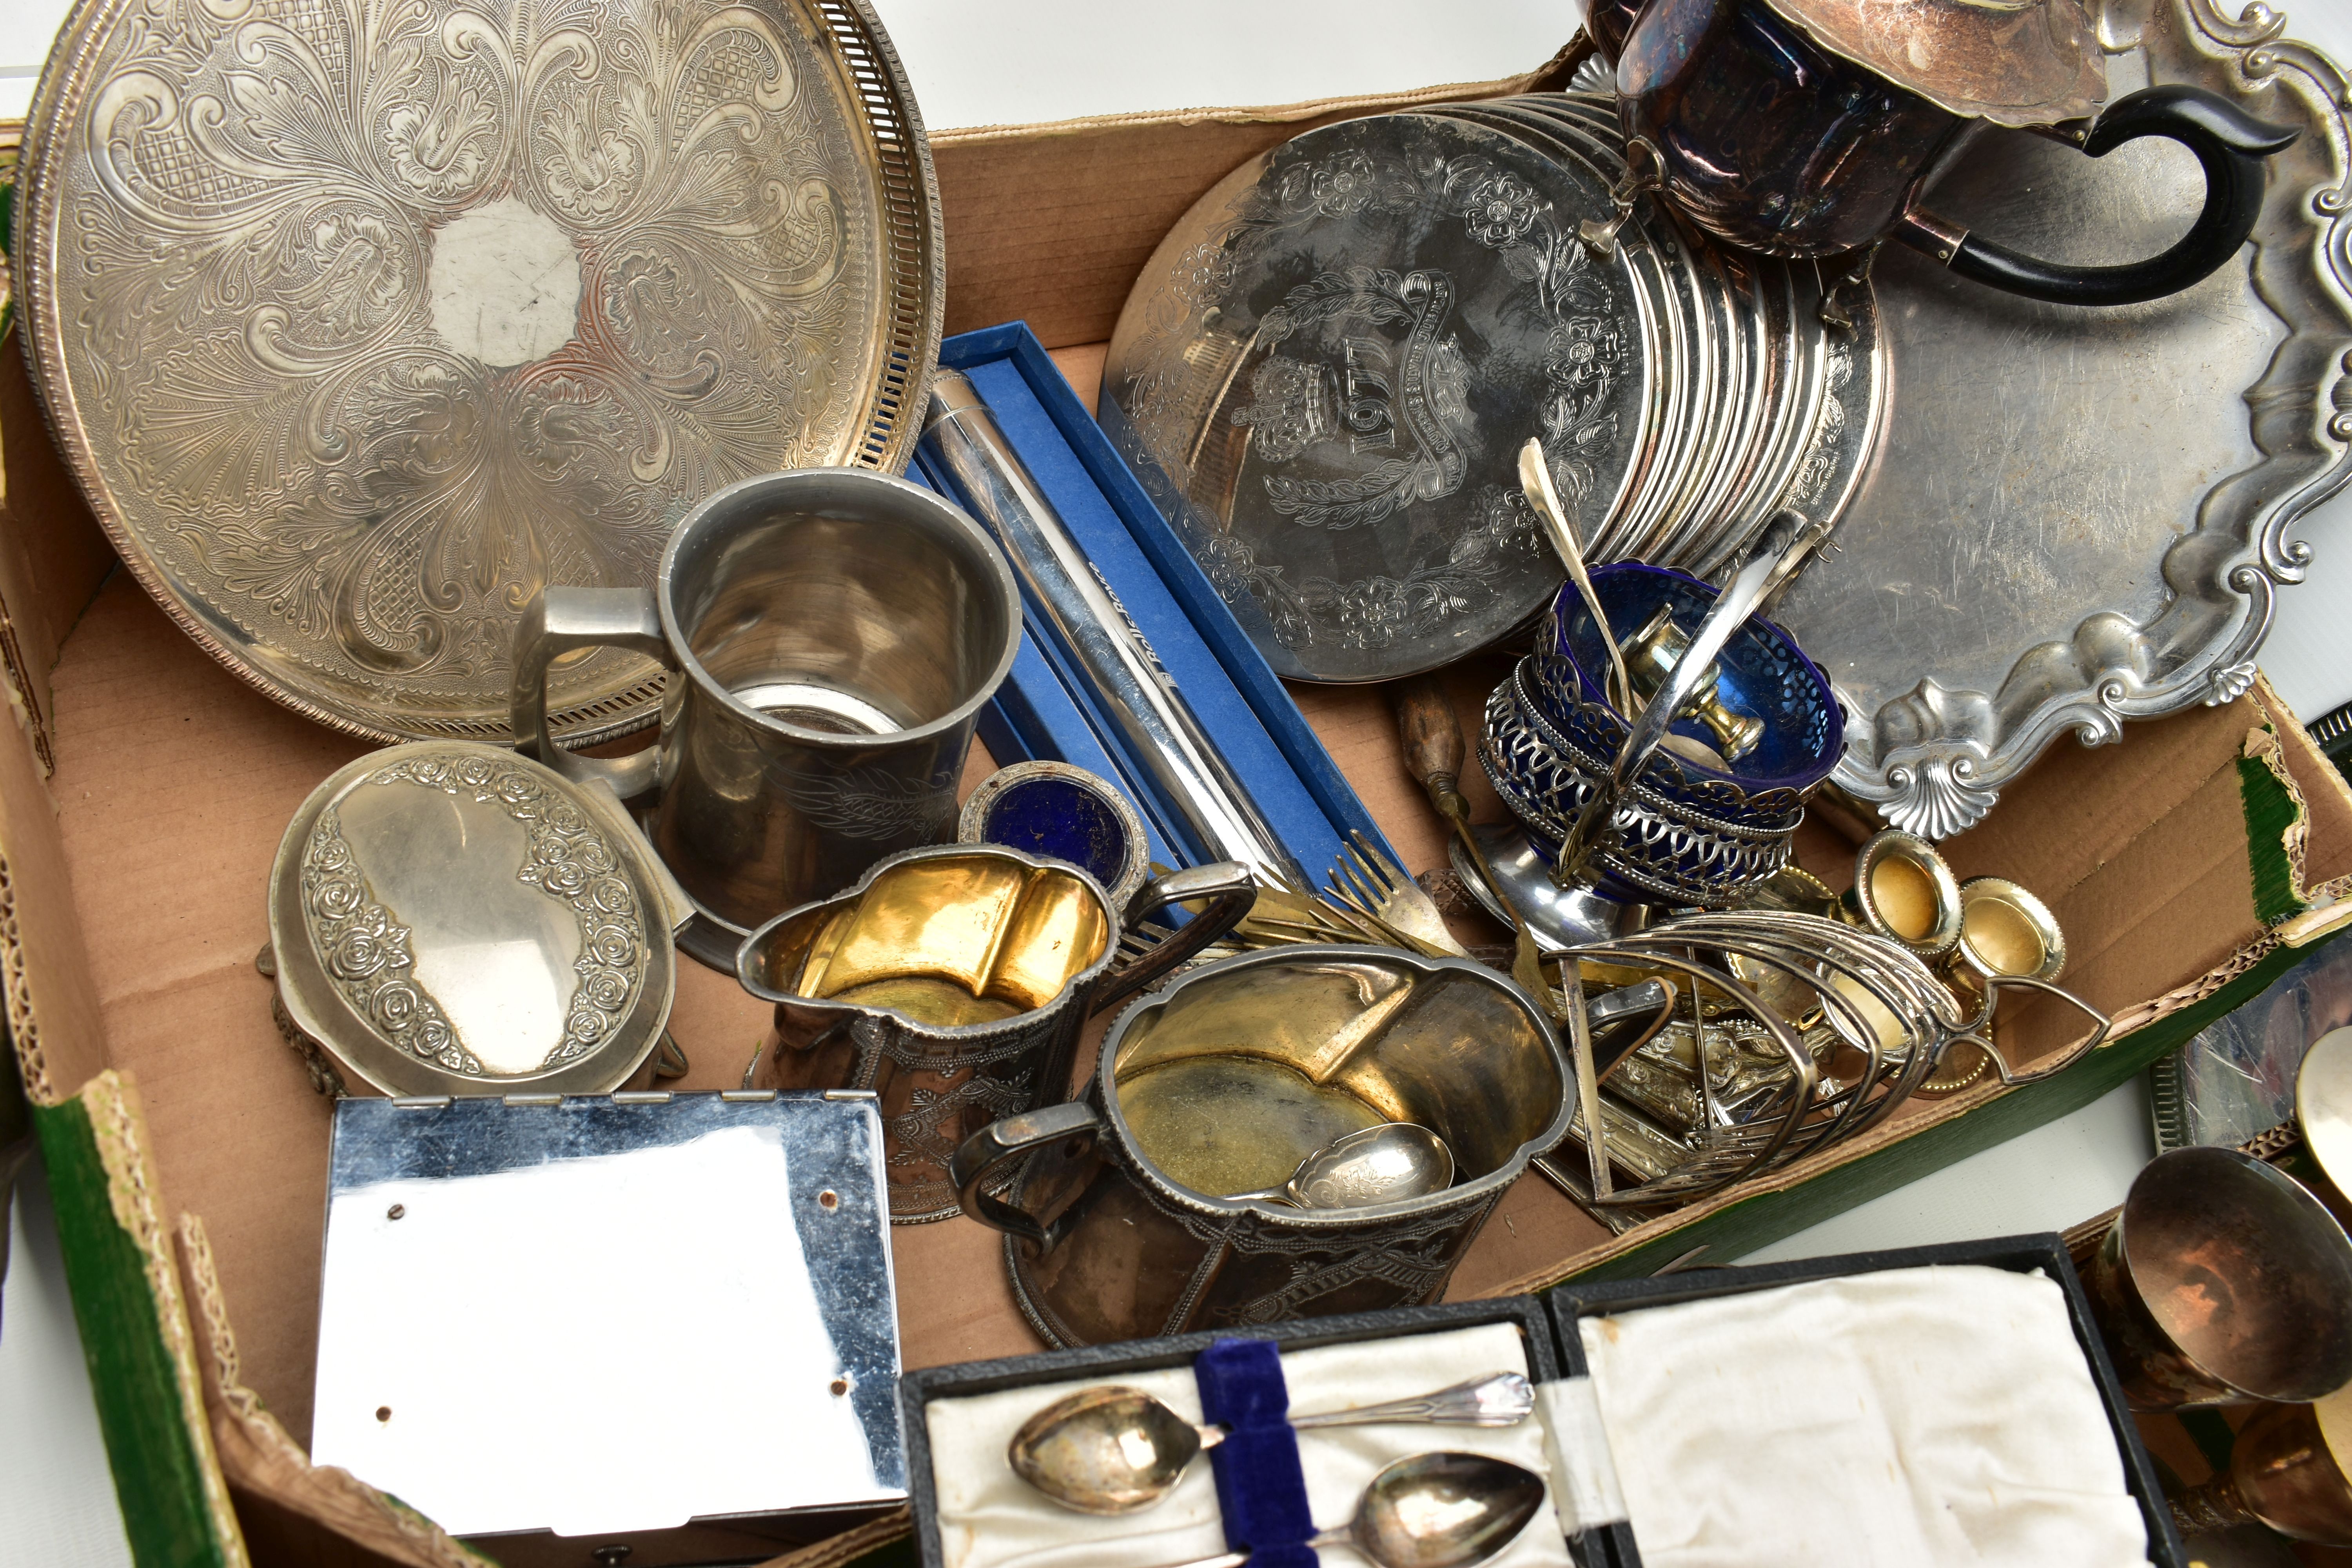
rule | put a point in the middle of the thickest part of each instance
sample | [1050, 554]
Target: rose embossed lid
[448, 918]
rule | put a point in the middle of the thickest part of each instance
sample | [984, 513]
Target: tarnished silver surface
[1562, 918]
[2013, 62]
[1800, 431]
[1326, 372]
[2223, 1281]
[1374, 1166]
[1892, 1022]
[1429, 1511]
[1114, 1449]
[834, 632]
[1676, 325]
[1107, 1450]
[1836, 402]
[953, 982]
[358, 325]
[1229, 1075]
[2080, 517]
[483, 1257]
[448, 918]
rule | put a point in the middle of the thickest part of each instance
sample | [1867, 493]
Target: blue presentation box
[1044, 711]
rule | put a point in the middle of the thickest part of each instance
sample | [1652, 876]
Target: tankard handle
[987, 1151]
[555, 622]
[1230, 891]
[2229, 142]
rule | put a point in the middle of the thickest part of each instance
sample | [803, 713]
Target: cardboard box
[144, 789]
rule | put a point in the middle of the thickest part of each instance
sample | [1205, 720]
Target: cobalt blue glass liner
[1674, 845]
[1066, 819]
[1762, 673]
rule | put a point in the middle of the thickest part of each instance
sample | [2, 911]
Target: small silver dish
[1052, 808]
[448, 918]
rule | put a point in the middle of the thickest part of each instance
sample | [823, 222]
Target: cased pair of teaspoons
[1115, 1450]
[1429, 1511]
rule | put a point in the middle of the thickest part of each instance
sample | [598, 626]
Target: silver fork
[1373, 886]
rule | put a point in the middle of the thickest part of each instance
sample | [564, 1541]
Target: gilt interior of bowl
[1762, 672]
[1232, 1076]
[936, 929]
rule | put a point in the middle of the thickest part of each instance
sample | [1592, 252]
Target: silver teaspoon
[1535, 477]
[1432, 1511]
[1115, 1450]
[1383, 1165]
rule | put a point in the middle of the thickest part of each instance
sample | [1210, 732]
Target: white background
[973, 62]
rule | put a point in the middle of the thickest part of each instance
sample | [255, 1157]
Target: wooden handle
[1431, 737]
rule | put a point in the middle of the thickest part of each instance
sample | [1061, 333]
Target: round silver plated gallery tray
[2078, 517]
[359, 322]
[1327, 374]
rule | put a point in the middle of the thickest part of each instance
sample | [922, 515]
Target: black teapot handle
[2230, 143]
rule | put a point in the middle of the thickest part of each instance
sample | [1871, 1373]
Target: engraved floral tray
[2078, 517]
[359, 322]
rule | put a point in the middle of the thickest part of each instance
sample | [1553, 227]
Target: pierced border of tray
[1947, 779]
[914, 280]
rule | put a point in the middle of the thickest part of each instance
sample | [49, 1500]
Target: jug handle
[979, 1158]
[1230, 891]
[2229, 142]
[555, 622]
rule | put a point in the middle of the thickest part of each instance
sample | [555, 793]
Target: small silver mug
[832, 635]
[953, 982]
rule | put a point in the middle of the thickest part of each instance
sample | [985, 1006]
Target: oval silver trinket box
[448, 918]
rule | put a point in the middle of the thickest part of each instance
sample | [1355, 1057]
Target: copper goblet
[2223, 1281]
[2287, 1471]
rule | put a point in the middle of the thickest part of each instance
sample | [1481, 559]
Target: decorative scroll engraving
[946, 1096]
[874, 804]
[1819, 464]
[1412, 1257]
[1374, 612]
[367, 954]
[263, 209]
[1361, 401]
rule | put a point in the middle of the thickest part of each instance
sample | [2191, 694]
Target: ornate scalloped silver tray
[357, 323]
[2079, 517]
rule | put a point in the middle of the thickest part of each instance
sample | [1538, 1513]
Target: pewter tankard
[832, 635]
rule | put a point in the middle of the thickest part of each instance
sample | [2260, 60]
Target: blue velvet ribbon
[1261, 1488]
